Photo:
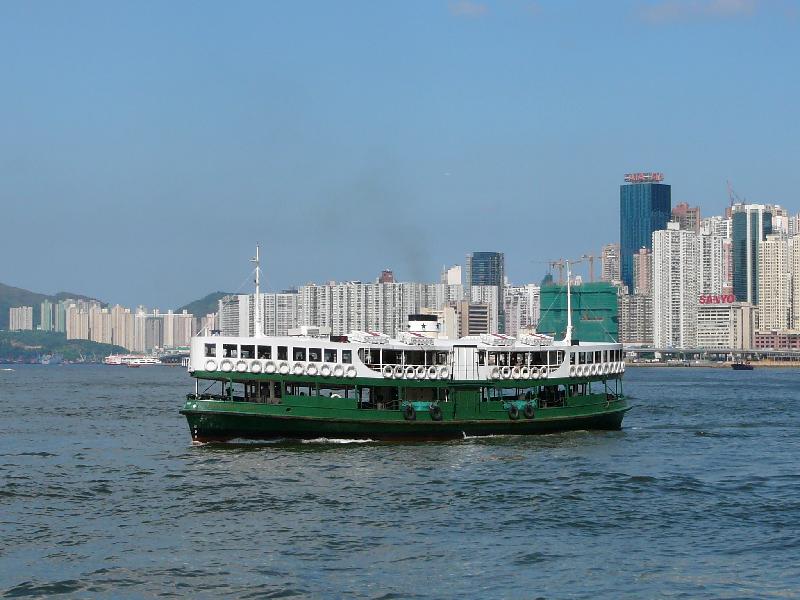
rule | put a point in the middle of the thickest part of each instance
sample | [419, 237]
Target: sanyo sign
[717, 299]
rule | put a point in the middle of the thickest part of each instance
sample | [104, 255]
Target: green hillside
[26, 346]
[13, 296]
[208, 304]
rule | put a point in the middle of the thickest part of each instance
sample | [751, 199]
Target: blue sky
[146, 146]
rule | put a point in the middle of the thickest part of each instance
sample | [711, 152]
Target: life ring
[515, 373]
[284, 368]
[409, 414]
[325, 370]
[535, 373]
[298, 369]
[432, 372]
[270, 367]
[525, 373]
[527, 412]
[494, 373]
[513, 412]
[241, 366]
[542, 372]
[351, 371]
[573, 371]
[444, 373]
[312, 370]
[594, 369]
[398, 372]
[255, 367]
[227, 366]
[387, 371]
[506, 372]
[422, 373]
[622, 367]
[338, 371]
[436, 412]
[211, 365]
[410, 372]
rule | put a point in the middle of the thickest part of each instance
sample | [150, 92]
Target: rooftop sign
[644, 177]
[717, 299]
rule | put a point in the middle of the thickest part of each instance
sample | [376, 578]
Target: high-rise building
[636, 319]
[609, 263]
[487, 269]
[751, 223]
[47, 312]
[645, 206]
[712, 265]
[642, 272]
[688, 217]
[774, 284]
[20, 318]
[386, 276]
[451, 275]
[521, 306]
[676, 264]
[725, 325]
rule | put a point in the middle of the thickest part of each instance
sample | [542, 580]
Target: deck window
[414, 357]
[283, 352]
[211, 350]
[391, 357]
[315, 354]
[265, 352]
[298, 354]
[518, 359]
[230, 351]
[248, 351]
[328, 390]
[330, 355]
[347, 356]
[299, 389]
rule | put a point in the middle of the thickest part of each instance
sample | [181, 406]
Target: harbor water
[103, 495]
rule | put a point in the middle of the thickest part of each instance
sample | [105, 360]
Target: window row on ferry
[598, 356]
[263, 352]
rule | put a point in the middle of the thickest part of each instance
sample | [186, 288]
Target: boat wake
[324, 440]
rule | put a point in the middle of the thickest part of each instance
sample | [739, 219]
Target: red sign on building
[644, 177]
[717, 299]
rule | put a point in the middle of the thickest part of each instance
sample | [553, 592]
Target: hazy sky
[146, 146]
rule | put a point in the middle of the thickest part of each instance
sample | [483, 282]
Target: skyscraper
[676, 264]
[751, 225]
[487, 268]
[644, 207]
[609, 263]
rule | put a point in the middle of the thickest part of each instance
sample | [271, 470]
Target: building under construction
[594, 312]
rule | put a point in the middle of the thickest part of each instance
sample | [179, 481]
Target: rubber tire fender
[409, 414]
[527, 412]
[436, 412]
[513, 412]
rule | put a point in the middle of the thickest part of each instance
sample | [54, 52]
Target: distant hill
[13, 296]
[208, 304]
[26, 346]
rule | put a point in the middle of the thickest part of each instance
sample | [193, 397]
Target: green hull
[214, 420]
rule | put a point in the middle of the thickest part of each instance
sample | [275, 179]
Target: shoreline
[722, 365]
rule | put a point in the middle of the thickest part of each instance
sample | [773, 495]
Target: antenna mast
[257, 325]
[568, 332]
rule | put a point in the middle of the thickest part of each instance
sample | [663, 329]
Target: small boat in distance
[742, 366]
[130, 360]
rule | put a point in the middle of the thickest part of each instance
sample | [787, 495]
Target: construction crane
[590, 258]
[734, 197]
[559, 264]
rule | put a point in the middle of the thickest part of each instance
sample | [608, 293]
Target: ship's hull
[209, 423]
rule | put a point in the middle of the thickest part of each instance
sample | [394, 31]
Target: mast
[257, 325]
[568, 332]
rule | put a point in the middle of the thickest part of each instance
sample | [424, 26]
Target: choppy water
[101, 494]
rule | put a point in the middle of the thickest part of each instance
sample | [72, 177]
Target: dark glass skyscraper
[487, 268]
[751, 225]
[643, 209]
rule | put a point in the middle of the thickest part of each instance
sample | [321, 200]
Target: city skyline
[140, 146]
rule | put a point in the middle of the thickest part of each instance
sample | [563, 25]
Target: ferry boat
[130, 360]
[417, 386]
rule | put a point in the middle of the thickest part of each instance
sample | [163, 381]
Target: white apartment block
[522, 307]
[774, 284]
[712, 268]
[676, 264]
[610, 263]
[636, 319]
[20, 318]
[726, 326]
